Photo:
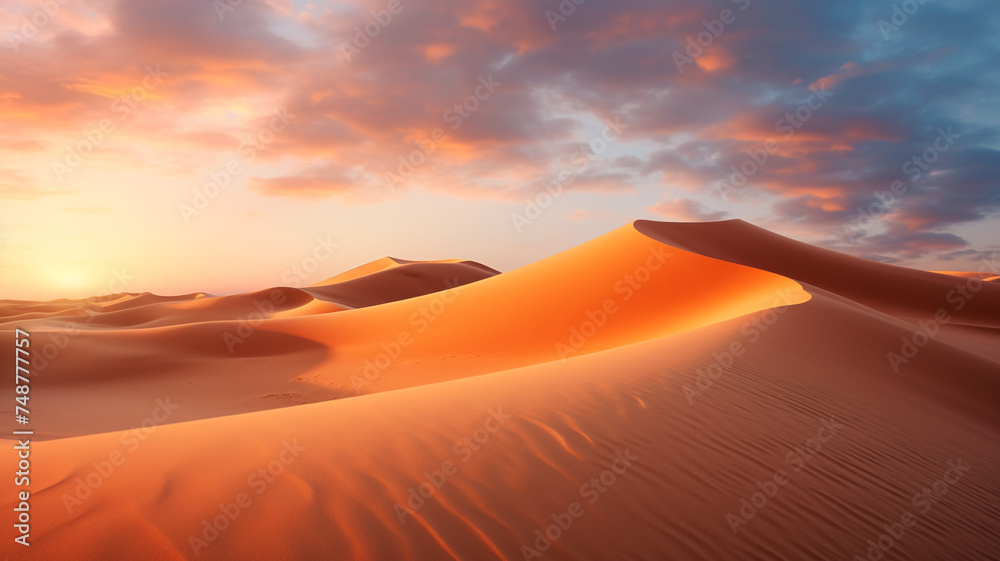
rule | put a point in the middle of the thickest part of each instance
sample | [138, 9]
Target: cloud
[15, 186]
[300, 187]
[686, 210]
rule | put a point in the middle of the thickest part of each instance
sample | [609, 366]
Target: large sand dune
[666, 391]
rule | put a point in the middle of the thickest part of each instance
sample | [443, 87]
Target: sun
[72, 280]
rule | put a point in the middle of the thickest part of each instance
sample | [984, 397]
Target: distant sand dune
[402, 280]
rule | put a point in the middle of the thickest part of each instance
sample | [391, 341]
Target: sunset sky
[118, 118]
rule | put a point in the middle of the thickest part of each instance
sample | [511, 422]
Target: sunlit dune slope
[618, 289]
[967, 274]
[985, 277]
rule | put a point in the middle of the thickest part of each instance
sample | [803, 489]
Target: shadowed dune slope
[892, 289]
[404, 279]
[389, 263]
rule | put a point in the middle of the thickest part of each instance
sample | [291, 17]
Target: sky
[176, 146]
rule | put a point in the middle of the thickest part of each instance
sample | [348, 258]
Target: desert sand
[665, 391]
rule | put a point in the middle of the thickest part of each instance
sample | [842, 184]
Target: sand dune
[459, 266]
[741, 356]
[71, 310]
[368, 285]
[880, 286]
[378, 283]
[551, 310]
